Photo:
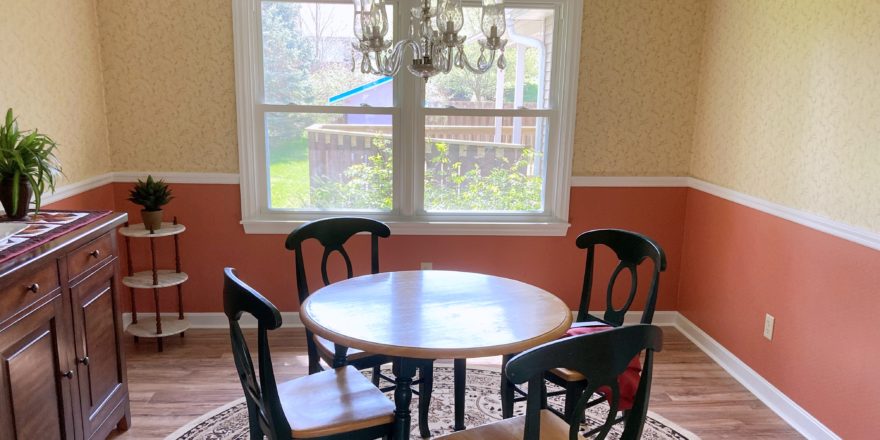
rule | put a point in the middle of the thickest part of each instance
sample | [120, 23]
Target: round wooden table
[419, 316]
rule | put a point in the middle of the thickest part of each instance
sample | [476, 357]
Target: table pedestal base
[404, 371]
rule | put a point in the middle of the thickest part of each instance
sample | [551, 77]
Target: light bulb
[383, 16]
[493, 22]
[450, 17]
[375, 19]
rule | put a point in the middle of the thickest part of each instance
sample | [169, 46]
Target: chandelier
[435, 43]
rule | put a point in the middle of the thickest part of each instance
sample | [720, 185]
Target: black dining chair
[631, 249]
[332, 234]
[333, 404]
[601, 358]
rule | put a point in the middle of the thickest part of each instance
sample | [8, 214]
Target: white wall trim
[219, 321]
[847, 232]
[69, 190]
[72, 189]
[776, 400]
[178, 177]
[428, 228]
[629, 181]
[291, 319]
[851, 233]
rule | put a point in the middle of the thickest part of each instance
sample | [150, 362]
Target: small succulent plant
[151, 194]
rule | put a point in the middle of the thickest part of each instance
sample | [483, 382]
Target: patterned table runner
[43, 227]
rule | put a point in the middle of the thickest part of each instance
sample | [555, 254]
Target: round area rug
[483, 405]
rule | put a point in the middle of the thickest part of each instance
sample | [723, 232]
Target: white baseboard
[219, 320]
[291, 319]
[775, 399]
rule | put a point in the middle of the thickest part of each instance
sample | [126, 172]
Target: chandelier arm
[395, 56]
[480, 68]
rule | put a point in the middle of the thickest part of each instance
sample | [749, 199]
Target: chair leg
[376, 370]
[506, 390]
[460, 379]
[312, 350]
[426, 386]
[544, 394]
[573, 392]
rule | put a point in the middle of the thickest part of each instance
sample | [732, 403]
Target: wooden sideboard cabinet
[62, 368]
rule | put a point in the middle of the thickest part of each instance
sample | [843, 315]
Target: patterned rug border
[219, 410]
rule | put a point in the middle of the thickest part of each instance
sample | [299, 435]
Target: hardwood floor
[196, 374]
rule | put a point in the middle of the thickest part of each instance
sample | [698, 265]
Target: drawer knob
[95, 253]
[84, 360]
[34, 288]
[68, 374]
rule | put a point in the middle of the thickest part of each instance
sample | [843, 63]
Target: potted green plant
[28, 167]
[152, 195]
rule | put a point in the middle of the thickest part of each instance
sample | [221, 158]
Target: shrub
[447, 186]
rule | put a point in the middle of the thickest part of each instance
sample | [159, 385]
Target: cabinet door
[35, 375]
[98, 350]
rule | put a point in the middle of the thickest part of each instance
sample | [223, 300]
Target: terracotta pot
[24, 198]
[152, 219]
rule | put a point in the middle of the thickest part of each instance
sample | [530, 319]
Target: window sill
[548, 229]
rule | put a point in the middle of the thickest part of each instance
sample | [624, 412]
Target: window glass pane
[307, 57]
[484, 163]
[329, 161]
[524, 83]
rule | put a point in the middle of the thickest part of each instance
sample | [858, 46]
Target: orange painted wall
[100, 198]
[215, 239]
[739, 263]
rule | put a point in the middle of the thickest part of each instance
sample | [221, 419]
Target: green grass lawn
[289, 174]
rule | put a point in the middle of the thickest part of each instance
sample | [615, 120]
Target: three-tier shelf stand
[155, 279]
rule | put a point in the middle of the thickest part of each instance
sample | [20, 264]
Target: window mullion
[411, 128]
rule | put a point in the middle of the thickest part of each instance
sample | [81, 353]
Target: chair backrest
[264, 407]
[332, 233]
[601, 358]
[631, 249]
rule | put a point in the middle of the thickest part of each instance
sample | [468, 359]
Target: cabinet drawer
[22, 290]
[89, 255]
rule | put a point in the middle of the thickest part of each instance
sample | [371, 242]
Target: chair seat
[568, 375]
[333, 402]
[327, 351]
[552, 428]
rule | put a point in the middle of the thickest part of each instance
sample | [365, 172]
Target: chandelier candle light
[435, 50]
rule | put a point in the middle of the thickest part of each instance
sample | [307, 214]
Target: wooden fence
[333, 148]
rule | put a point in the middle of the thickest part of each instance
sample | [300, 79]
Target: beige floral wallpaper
[789, 105]
[170, 81]
[637, 89]
[51, 77]
[171, 97]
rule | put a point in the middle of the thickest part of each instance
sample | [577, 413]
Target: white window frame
[408, 218]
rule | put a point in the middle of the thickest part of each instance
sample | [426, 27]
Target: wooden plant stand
[155, 279]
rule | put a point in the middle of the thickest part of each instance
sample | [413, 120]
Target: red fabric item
[628, 381]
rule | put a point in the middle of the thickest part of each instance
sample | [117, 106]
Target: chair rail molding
[838, 229]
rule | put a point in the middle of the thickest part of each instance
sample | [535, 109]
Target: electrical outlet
[427, 266]
[769, 320]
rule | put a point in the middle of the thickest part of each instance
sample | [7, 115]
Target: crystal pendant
[502, 61]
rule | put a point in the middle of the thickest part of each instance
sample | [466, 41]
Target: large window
[462, 153]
